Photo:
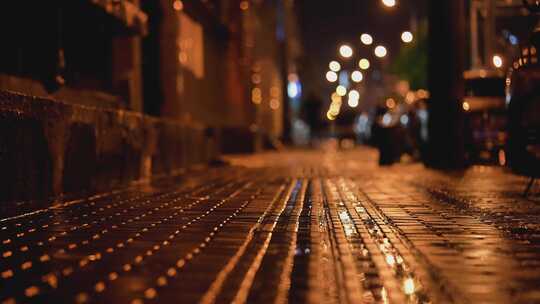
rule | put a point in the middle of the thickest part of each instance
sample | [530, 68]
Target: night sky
[327, 24]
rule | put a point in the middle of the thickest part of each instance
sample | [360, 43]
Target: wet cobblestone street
[297, 227]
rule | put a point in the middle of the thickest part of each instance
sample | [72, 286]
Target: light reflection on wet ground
[298, 227]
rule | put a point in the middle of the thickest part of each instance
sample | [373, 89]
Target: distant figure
[310, 113]
[383, 133]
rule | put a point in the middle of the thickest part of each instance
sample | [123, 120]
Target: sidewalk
[297, 226]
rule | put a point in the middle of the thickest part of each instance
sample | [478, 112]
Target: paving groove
[294, 227]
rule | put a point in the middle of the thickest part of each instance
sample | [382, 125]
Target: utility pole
[445, 82]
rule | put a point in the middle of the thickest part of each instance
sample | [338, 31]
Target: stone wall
[48, 147]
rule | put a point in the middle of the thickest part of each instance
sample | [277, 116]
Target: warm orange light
[274, 104]
[366, 39]
[389, 3]
[466, 106]
[408, 286]
[244, 5]
[410, 97]
[330, 116]
[178, 5]
[390, 103]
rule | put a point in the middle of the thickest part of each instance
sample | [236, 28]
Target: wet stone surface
[298, 227]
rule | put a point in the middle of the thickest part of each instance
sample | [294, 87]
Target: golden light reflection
[384, 296]
[336, 98]
[466, 106]
[390, 260]
[256, 96]
[408, 286]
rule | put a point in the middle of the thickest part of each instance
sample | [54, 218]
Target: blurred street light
[389, 3]
[380, 51]
[334, 66]
[353, 103]
[357, 76]
[497, 61]
[363, 64]
[346, 51]
[407, 37]
[366, 39]
[353, 94]
[331, 76]
[341, 91]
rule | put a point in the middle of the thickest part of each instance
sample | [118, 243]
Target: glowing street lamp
[331, 76]
[334, 66]
[357, 76]
[366, 39]
[363, 64]
[346, 51]
[407, 37]
[389, 3]
[380, 51]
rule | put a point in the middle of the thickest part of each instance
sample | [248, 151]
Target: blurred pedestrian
[384, 137]
[311, 114]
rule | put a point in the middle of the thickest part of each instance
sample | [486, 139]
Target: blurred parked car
[485, 116]
[523, 96]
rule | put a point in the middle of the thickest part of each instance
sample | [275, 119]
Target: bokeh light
[364, 64]
[346, 51]
[380, 51]
[366, 39]
[407, 37]
[357, 76]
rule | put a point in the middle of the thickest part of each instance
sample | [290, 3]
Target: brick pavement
[298, 227]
